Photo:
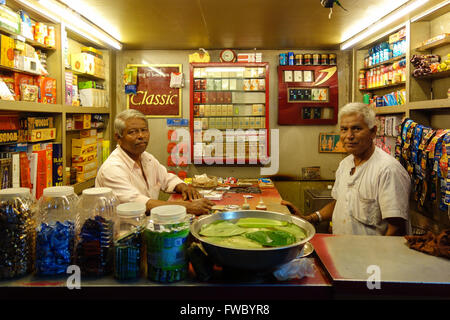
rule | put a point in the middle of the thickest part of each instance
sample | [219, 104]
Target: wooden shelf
[434, 45]
[390, 110]
[385, 62]
[429, 104]
[25, 106]
[19, 70]
[29, 41]
[384, 87]
[85, 75]
[71, 109]
[436, 75]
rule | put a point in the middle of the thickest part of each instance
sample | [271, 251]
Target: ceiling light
[383, 23]
[72, 20]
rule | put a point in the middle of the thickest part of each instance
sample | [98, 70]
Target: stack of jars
[55, 230]
[17, 232]
[95, 231]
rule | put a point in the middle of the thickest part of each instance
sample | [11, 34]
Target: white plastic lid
[97, 191]
[15, 192]
[168, 214]
[131, 209]
[58, 191]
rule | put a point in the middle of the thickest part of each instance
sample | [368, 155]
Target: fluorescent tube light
[424, 14]
[383, 23]
[72, 20]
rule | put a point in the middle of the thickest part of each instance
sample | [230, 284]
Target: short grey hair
[122, 117]
[359, 108]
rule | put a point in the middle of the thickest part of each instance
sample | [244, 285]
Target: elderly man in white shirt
[371, 191]
[135, 175]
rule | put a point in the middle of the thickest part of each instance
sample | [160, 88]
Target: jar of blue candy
[55, 230]
[128, 250]
[17, 232]
[94, 231]
[166, 237]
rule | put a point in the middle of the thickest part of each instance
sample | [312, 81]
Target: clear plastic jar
[128, 240]
[94, 231]
[55, 230]
[17, 232]
[166, 237]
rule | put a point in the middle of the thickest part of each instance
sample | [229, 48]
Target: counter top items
[95, 230]
[256, 259]
[18, 232]
[204, 181]
[55, 232]
[430, 243]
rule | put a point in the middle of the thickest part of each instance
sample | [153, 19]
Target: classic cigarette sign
[154, 97]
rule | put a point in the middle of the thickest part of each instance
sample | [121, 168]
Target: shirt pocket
[367, 211]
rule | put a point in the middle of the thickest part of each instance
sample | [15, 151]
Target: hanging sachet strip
[424, 171]
[420, 137]
[435, 156]
[447, 190]
[400, 139]
[443, 165]
[406, 150]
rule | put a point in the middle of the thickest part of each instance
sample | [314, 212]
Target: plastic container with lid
[94, 229]
[166, 237]
[128, 240]
[17, 232]
[55, 230]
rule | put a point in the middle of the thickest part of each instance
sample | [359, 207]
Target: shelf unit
[226, 96]
[56, 69]
[426, 96]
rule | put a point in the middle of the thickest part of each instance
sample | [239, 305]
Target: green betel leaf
[293, 229]
[222, 229]
[259, 223]
[272, 238]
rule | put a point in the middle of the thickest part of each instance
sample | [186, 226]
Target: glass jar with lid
[94, 229]
[128, 240]
[166, 237]
[17, 232]
[55, 230]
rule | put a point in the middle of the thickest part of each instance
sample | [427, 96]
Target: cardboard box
[85, 166]
[85, 150]
[7, 51]
[84, 141]
[84, 176]
[47, 90]
[84, 158]
[36, 135]
[82, 121]
[88, 133]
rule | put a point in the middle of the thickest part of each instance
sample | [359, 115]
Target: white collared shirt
[124, 176]
[378, 189]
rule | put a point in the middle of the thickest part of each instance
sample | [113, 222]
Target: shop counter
[270, 197]
[223, 285]
[368, 266]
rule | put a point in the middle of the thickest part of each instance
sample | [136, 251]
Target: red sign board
[154, 97]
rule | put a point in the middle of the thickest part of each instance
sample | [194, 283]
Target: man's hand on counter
[188, 192]
[199, 206]
[294, 210]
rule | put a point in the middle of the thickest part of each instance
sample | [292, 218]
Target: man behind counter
[135, 175]
[372, 189]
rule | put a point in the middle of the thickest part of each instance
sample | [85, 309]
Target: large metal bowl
[261, 259]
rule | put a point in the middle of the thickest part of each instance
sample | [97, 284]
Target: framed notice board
[154, 97]
[307, 94]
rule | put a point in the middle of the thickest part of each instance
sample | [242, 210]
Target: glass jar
[128, 240]
[55, 230]
[166, 237]
[94, 231]
[17, 232]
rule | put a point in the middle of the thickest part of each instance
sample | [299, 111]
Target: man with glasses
[135, 175]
